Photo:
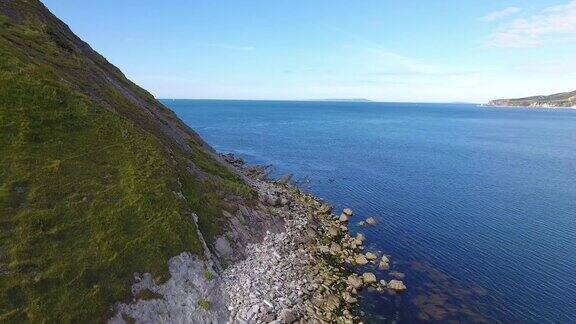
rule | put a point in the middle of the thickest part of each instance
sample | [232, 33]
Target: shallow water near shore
[477, 206]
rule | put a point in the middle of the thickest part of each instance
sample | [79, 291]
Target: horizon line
[358, 100]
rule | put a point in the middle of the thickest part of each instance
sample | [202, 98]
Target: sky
[405, 51]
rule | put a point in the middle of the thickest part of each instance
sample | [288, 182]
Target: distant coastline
[558, 100]
[493, 104]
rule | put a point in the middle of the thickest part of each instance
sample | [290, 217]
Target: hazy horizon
[330, 99]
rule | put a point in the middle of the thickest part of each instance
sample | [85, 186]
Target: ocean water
[476, 206]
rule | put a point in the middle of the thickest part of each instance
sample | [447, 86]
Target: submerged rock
[397, 275]
[285, 179]
[370, 221]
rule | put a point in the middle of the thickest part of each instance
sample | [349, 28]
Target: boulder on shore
[348, 298]
[360, 260]
[325, 209]
[368, 277]
[354, 281]
[343, 218]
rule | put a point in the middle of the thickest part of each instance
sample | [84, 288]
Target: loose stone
[361, 260]
[368, 277]
[354, 281]
[371, 256]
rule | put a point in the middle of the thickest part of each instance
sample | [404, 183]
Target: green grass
[204, 304]
[88, 191]
[208, 275]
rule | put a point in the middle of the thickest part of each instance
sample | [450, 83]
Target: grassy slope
[89, 183]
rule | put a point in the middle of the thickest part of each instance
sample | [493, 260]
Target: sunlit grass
[88, 196]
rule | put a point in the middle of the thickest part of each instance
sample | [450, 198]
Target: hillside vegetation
[565, 99]
[98, 180]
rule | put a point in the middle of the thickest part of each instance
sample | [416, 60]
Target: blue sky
[421, 51]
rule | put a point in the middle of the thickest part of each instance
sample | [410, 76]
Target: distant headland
[559, 100]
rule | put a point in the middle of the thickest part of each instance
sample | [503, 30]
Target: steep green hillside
[97, 179]
[565, 99]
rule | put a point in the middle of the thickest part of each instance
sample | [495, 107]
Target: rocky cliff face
[559, 100]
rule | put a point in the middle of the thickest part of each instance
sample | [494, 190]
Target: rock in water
[368, 277]
[370, 221]
[371, 256]
[347, 212]
[343, 218]
[361, 260]
[396, 285]
[285, 179]
[383, 265]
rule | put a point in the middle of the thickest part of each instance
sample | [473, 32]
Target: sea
[475, 206]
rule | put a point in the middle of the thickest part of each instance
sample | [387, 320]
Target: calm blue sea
[476, 206]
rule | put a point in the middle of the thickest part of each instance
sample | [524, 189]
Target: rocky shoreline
[305, 273]
[286, 259]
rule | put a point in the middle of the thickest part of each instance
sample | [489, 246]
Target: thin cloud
[552, 24]
[500, 14]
